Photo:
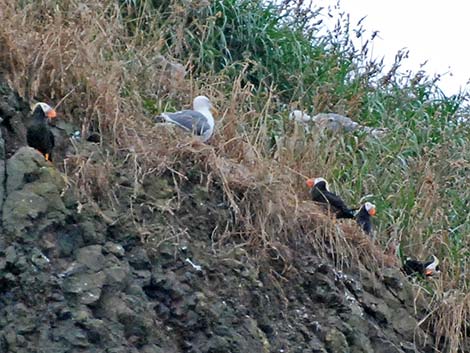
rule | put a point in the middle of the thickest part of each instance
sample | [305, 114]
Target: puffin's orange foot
[48, 158]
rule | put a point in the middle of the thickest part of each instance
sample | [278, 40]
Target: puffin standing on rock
[38, 134]
[363, 217]
[320, 193]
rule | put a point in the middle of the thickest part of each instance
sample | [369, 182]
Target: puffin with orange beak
[320, 193]
[39, 134]
[363, 217]
[427, 269]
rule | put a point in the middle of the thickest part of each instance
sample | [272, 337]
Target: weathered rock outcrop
[33, 194]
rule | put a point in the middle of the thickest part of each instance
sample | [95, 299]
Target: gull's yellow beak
[214, 111]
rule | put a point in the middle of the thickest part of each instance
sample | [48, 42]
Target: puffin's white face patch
[318, 180]
[432, 266]
[370, 208]
[45, 107]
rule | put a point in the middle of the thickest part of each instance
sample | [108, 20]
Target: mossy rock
[34, 189]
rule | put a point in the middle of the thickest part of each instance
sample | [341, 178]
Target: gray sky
[432, 30]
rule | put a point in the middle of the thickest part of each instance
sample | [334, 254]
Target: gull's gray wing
[190, 120]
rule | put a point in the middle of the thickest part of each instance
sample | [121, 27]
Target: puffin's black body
[418, 267]
[320, 194]
[363, 219]
[39, 135]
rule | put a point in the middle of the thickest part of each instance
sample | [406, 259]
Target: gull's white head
[299, 116]
[201, 103]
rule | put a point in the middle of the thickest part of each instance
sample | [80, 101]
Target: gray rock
[151, 348]
[117, 273]
[68, 241]
[39, 259]
[115, 249]
[404, 323]
[336, 342]
[25, 167]
[393, 278]
[21, 209]
[139, 259]
[113, 307]
[91, 235]
[33, 194]
[10, 255]
[92, 257]
[85, 286]
[2, 170]
[76, 336]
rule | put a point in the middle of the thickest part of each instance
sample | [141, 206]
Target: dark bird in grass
[427, 269]
[363, 217]
[39, 134]
[320, 193]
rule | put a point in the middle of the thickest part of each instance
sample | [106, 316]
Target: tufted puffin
[38, 134]
[427, 268]
[320, 193]
[363, 217]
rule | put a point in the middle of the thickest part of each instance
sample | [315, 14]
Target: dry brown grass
[81, 57]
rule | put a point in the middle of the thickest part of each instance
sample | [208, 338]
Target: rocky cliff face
[70, 282]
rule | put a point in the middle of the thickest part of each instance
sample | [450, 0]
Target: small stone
[336, 342]
[10, 255]
[139, 259]
[69, 240]
[151, 348]
[39, 259]
[117, 275]
[92, 257]
[87, 286]
[91, 235]
[393, 278]
[115, 249]
[82, 315]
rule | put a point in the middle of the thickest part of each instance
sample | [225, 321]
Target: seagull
[299, 116]
[199, 121]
